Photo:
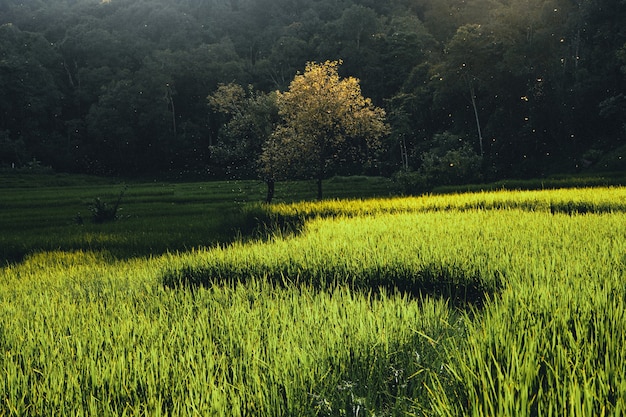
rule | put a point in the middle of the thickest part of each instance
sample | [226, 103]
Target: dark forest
[473, 90]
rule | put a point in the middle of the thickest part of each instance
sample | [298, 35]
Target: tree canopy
[326, 123]
[120, 88]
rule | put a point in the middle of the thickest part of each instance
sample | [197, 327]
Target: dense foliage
[120, 87]
[327, 125]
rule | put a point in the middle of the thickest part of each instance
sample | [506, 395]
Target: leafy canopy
[326, 123]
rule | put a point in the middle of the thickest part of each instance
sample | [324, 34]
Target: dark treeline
[473, 89]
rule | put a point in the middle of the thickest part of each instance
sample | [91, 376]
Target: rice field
[482, 304]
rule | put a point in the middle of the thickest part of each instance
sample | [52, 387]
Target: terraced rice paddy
[484, 304]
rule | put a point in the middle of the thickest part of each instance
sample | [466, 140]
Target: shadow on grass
[437, 281]
[138, 236]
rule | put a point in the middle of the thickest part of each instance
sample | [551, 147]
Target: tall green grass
[547, 341]
[569, 201]
[543, 349]
[552, 341]
[475, 248]
[488, 304]
[95, 337]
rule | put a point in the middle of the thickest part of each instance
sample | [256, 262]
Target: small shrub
[102, 212]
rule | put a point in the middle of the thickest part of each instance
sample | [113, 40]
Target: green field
[201, 301]
[40, 212]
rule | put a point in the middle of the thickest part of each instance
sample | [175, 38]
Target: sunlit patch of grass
[97, 335]
[543, 348]
[310, 323]
[547, 339]
[470, 250]
[578, 200]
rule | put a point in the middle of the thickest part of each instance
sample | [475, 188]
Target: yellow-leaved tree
[325, 123]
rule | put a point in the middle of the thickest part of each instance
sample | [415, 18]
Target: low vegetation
[495, 303]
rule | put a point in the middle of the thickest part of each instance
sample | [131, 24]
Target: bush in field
[103, 212]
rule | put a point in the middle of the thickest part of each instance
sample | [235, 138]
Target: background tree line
[472, 89]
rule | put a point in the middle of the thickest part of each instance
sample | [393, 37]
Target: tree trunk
[404, 154]
[474, 106]
[169, 97]
[270, 190]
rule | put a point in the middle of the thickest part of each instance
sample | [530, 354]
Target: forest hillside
[472, 89]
